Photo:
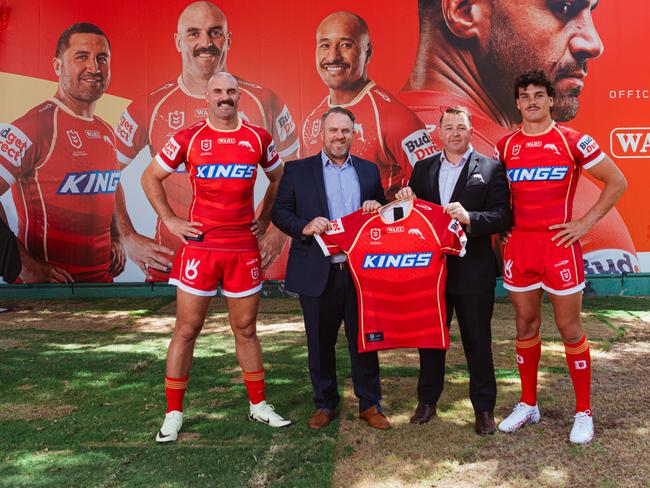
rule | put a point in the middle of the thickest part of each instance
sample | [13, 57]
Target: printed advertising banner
[80, 121]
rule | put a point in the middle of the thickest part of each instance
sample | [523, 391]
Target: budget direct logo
[630, 142]
[13, 144]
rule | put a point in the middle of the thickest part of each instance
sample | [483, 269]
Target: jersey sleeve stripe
[164, 165]
[596, 160]
[322, 245]
[7, 176]
[288, 151]
[276, 165]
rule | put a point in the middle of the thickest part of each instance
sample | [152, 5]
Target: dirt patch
[447, 453]
[28, 411]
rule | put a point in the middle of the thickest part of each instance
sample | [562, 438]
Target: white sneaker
[265, 413]
[583, 428]
[170, 427]
[521, 415]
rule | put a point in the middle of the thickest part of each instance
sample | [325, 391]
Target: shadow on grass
[115, 383]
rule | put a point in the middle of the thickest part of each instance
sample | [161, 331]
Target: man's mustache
[211, 50]
[226, 102]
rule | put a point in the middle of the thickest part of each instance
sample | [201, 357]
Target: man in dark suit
[474, 190]
[312, 192]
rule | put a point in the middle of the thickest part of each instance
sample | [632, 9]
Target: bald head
[203, 41]
[343, 50]
[223, 96]
[348, 22]
[222, 78]
[198, 10]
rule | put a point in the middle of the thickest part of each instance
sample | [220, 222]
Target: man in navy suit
[312, 192]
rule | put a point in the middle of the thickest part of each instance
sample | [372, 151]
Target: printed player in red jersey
[59, 158]
[397, 260]
[543, 161]
[220, 235]
[465, 57]
[386, 132]
[203, 40]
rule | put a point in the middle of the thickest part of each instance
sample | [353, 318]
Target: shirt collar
[326, 160]
[463, 160]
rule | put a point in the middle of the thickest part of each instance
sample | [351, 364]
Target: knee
[528, 325]
[186, 332]
[245, 331]
[571, 333]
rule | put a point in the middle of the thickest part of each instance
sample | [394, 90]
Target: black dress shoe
[484, 423]
[423, 413]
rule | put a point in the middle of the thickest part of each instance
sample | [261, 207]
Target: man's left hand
[456, 211]
[259, 227]
[271, 245]
[118, 258]
[569, 232]
[370, 206]
[147, 254]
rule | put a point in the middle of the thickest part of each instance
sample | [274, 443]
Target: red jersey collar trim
[67, 110]
[224, 130]
[546, 131]
[356, 99]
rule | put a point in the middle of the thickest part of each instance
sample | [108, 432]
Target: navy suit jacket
[301, 198]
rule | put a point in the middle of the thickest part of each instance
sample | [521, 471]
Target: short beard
[504, 60]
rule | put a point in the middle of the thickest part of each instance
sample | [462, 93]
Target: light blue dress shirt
[343, 191]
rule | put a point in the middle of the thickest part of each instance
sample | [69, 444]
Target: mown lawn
[82, 398]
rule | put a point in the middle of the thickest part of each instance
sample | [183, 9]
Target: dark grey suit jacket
[483, 190]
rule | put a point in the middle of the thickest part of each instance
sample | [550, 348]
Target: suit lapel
[320, 184]
[434, 172]
[364, 190]
[469, 169]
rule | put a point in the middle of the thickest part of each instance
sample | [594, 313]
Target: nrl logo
[206, 144]
[175, 119]
[515, 149]
[315, 128]
[74, 138]
[375, 234]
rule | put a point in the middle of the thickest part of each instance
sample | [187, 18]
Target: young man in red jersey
[220, 240]
[543, 161]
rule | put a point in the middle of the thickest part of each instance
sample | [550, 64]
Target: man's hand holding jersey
[405, 194]
[370, 206]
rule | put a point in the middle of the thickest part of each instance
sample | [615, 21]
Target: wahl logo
[630, 142]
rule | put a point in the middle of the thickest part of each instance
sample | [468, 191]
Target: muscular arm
[264, 218]
[615, 185]
[143, 251]
[151, 180]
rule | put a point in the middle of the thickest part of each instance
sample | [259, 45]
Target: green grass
[114, 382]
[81, 407]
